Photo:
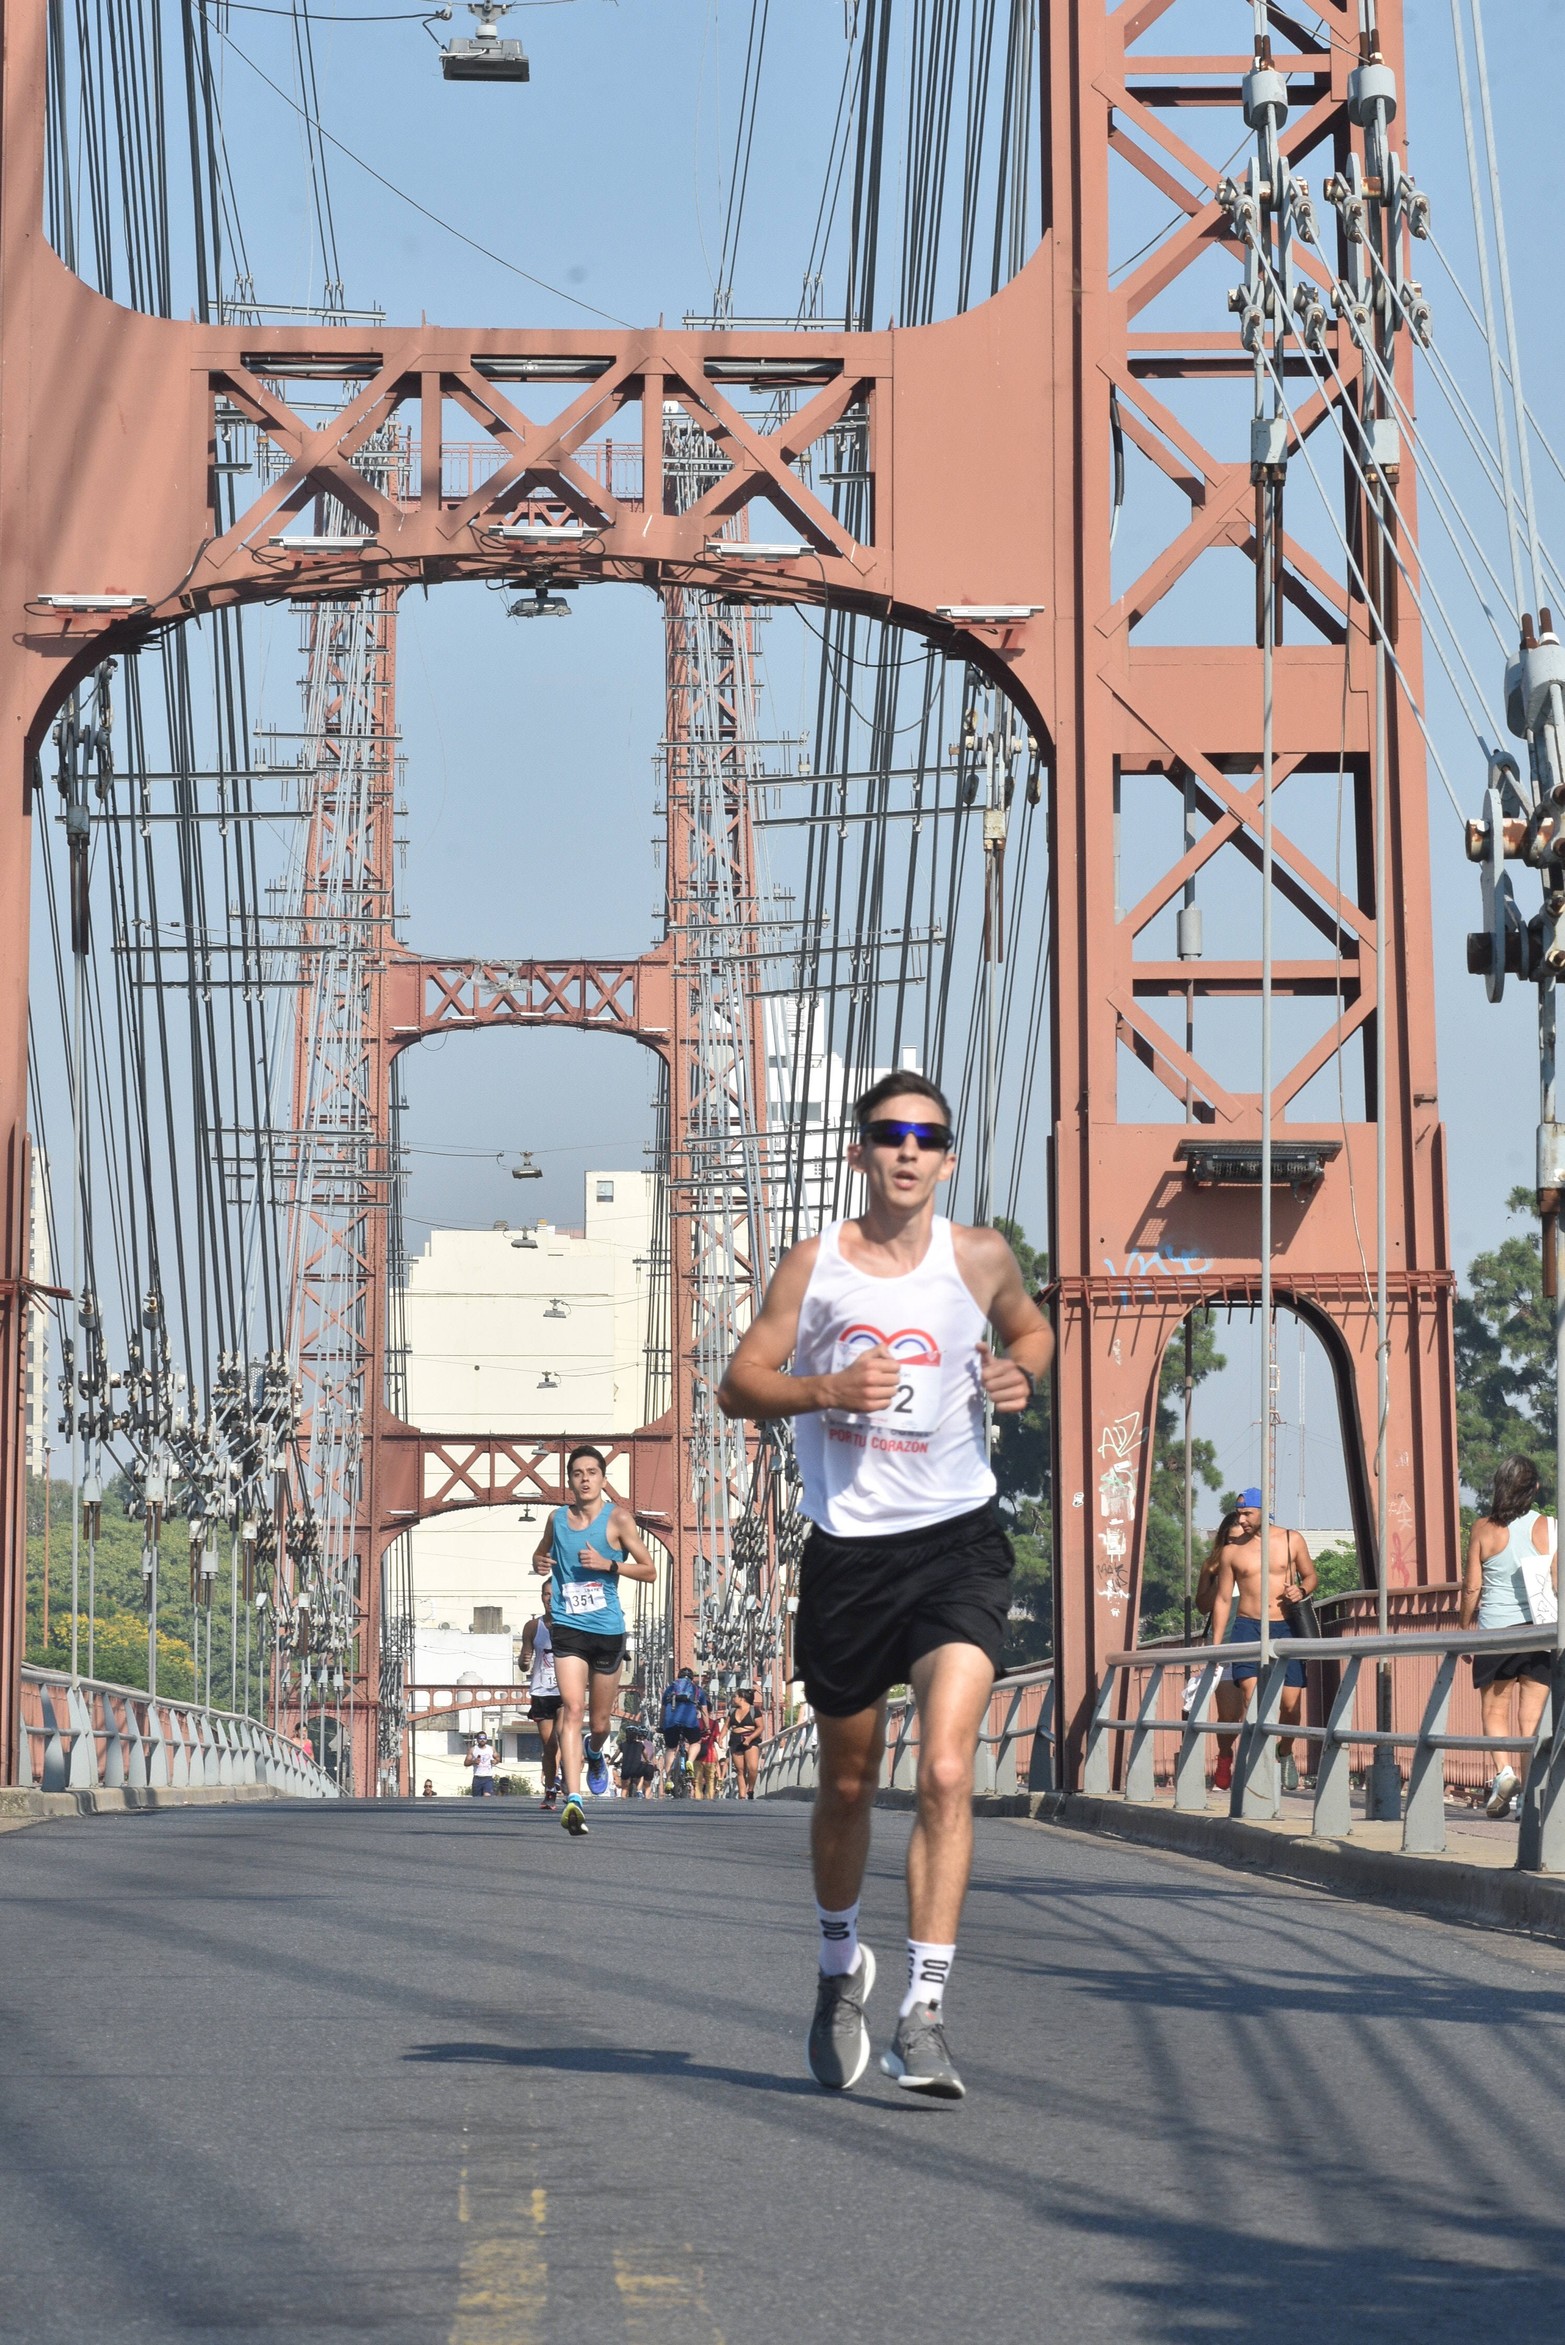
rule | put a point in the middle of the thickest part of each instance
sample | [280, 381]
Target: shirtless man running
[1238, 1574]
[906, 1575]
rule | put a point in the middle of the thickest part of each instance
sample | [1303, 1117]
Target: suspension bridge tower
[1023, 401]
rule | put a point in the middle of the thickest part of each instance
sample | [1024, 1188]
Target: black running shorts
[870, 1608]
[602, 1655]
[544, 1706]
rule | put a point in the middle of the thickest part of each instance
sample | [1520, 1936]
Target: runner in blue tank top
[588, 1547]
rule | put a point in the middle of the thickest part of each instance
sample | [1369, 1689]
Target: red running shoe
[1223, 1778]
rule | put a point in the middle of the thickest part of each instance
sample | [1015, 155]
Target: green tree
[1023, 1465]
[1505, 1360]
[1024, 1471]
[120, 1638]
[1163, 1551]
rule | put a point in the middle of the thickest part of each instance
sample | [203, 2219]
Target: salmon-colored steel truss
[988, 441]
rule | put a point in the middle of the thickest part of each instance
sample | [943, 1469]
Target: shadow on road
[613, 2060]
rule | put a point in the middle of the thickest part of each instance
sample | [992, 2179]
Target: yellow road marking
[665, 2306]
[503, 2294]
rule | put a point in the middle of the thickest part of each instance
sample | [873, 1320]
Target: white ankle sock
[928, 1968]
[839, 1938]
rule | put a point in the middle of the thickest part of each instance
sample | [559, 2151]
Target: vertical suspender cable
[1529, 506]
[1486, 288]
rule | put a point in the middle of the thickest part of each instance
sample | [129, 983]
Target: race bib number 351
[586, 1596]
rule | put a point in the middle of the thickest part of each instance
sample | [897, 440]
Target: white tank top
[1506, 1601]
[921, 1459]
[541, 1678]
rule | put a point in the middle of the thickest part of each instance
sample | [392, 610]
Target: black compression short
[870, 1608]
[602, 1655]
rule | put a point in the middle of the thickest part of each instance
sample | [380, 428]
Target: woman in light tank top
[1512, 1577]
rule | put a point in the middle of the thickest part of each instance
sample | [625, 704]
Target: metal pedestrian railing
[79, 1734]
[1015, 1745]
[1133, 1702]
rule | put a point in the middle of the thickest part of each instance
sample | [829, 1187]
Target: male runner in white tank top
[906, 1575]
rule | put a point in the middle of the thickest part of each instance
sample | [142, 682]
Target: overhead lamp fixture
[548, 1381]
[485, 57]
[91, 602]
[987, 614]
[556, 1309]
[545, 604]
[527, 1242]
[748, 551]
[1296, 1164]
[538, 533]
[325, 545]
[526, 1170]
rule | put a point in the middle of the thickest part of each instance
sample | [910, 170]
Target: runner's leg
[602, 1694]
[850, 1754]
[1530, 1697]
[1292, 1704]
[1233, 1699]
[952, 1687]
[571, 1672]
[549, 1749]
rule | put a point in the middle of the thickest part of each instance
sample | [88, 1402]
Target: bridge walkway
[436, 2073]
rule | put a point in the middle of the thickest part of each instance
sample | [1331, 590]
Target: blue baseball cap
[1250, 1497]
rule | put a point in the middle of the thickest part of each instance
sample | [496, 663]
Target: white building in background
[511, 1330]
[40, 1271]
[807, 1087]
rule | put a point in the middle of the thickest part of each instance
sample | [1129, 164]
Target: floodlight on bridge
[546, 603]
[91, 602]
[746, 550]
[987, 614]
[539, 533]
[486, 57]
[324, 545]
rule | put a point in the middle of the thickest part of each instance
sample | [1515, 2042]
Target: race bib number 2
[586, 1596]
[914, 1406]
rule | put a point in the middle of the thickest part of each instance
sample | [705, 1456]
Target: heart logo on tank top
[910, 1345]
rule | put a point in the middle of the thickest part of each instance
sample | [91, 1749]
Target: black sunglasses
[891, 1131]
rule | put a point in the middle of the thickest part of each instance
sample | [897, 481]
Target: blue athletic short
[1247, 1631]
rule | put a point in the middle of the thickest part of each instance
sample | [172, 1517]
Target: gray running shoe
[920, 2057]
[1502, 1791]
[838, 2043]
[1290, 1773]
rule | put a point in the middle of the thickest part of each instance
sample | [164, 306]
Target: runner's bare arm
[1222, 1598]
[757, 1384]
[529, 1645]
[1300, 1567]
[1472, 1576]
[994, 1277]
[622, 1530]
[543, 1553]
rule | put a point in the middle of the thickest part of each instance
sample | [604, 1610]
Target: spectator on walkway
[712, 1762]
[1206, 1580]
[1512, 1576]
[636, 1771]
[1237, 1595]
[480, 1757]
[428, 1791]
[744, 1740]
[681, 1722]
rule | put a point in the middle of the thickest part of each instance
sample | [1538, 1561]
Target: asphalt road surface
[438, 2075]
